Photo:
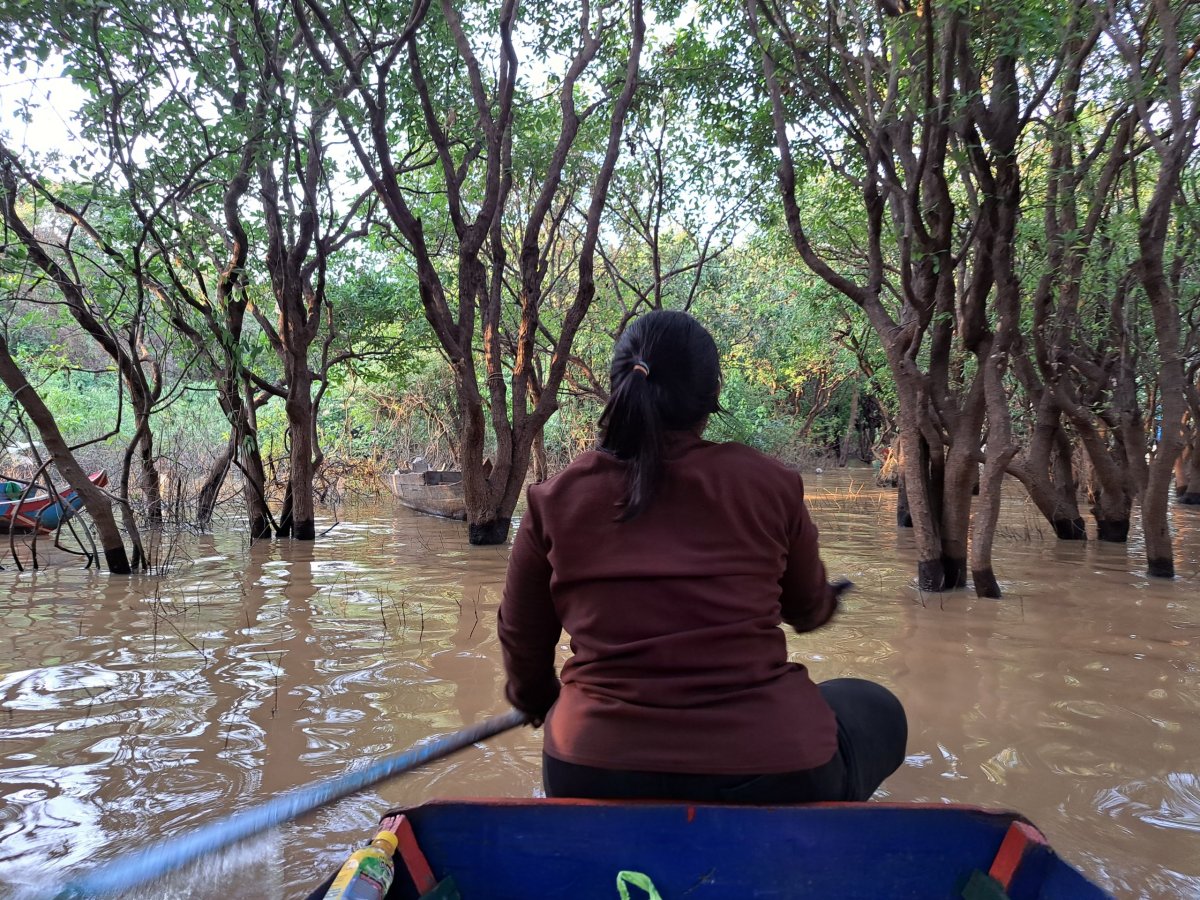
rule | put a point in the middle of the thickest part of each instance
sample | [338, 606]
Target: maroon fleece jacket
[679, 663]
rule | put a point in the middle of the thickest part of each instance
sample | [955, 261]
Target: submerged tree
[928, 113]
[892, 104]
[1167, 101]
[196, 114]
[427, 120]
[35, 263]
[113, 309]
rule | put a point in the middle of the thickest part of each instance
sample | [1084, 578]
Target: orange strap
[1019, 838]
[414, 859]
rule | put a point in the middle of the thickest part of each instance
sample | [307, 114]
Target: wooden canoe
[432, 493]
[40, 512]
[574, 850]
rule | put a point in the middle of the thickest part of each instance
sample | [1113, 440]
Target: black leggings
[872, 734]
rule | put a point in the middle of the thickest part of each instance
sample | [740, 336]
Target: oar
[158, 859]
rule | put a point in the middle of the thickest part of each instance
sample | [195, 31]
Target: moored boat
[432, 493]
[551, 849]
[40, 511]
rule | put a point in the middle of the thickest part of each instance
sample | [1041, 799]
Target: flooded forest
[298, 298]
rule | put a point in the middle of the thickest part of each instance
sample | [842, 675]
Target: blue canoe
[574, 850]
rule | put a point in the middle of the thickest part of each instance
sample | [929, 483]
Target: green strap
[637, 879]
[981, 886]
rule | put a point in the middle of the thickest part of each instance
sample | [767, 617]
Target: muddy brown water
[131, 709]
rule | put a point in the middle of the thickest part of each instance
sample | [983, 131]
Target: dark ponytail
[665, 376]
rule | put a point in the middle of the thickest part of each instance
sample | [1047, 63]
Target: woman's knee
[861, 692]
[865, 705]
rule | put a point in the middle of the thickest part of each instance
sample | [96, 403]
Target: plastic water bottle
[368, 873]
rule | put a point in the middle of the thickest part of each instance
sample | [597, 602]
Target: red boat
[40, 512]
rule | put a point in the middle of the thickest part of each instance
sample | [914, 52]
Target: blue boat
[575, 850]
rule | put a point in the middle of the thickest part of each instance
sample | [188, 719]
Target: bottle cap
[389, 838]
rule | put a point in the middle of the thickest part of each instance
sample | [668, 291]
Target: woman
[671, 562]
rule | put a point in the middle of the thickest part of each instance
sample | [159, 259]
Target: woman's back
[679, 664]
[672, 562]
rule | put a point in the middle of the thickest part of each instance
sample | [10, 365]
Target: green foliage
[177, 92]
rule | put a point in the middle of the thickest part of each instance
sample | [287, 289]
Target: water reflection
[132, 708]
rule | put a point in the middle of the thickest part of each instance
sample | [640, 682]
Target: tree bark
[250, 452]
[1187, 466]
[296, 259]
[962, 474]
[1000, 450]
[918, 491]
[851, 423]
[299, 408]
[1170, 129]
[210, 490]
[904, 517]
[1152, 235]
[1191, 485]
[1046, 471]
[150, 481]
[1109, 491]
[541, 470]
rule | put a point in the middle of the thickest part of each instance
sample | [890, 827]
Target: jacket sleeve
[529, 627]
[806, 598]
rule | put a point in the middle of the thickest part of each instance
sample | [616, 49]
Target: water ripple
[132, 709]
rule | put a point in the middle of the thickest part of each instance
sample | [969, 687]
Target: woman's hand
[840, 586]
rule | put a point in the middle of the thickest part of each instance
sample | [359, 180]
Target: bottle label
[344, 877]
[377, 870]
[368, 873]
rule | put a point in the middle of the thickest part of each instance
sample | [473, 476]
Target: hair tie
[640, 365]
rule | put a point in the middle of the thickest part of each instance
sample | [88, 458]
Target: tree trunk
[240, 408]
[299, 408]
[1160, 554]
[486, 520]
[983, 527]
[94, 500]
[917, 487]
[1182, 477]
[486, 483]
[1111, 508]
[961, 476]
[286, 513]
[213, 482]
[150, 482]
[1047, 473]
[540, 469]
[497, 489]
[1174, 152]
[1187, 471]
[1068, 520]
[1000, 451]
[1052, 501]
[1108, 486]
[504, 481]
[851, 423]
[904, 517]
[257, 512]
[492, 488]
